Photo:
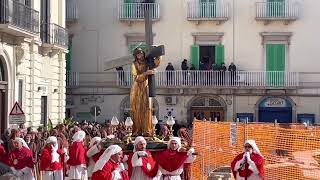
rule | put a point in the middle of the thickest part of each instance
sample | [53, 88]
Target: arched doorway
[125, 108]
[207, 107]
[3, 96]
[280, 108]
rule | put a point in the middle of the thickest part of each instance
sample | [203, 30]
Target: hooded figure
[248, 165]
[141, 164]
[20, 160]
[51, 160]
[172, 161]
[109, 166]
[77, 160]
[94, 153]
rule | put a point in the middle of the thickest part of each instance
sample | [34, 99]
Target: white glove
[142, 153]
[190, 151]
[121, 167]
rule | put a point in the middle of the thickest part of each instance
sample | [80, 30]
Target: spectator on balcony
[169, 72]
[232, 69]
[184, 67]
[222, 70]
[120, 75]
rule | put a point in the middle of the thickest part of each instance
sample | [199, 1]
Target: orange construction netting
[291, 151]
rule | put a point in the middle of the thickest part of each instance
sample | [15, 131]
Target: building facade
[273, 43]
[32, 60]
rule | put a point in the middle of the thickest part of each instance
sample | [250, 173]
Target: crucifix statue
[143, 71]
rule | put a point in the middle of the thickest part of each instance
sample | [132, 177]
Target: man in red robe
[20, 160]
[172, 161]
[51, 160]
[248, 165]
[77, 160]
[94, 153]
[141, 165]
[109, 166]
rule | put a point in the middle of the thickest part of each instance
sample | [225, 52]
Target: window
[20, 92]
[44, 111]
[275, 64]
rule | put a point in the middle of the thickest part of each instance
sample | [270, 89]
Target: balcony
[135, 11]
[200, 79]
[18, 19]
[53, 35]
[72, 11]
[209, 11]
[286, 11]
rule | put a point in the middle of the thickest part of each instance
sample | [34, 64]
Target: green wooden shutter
[128, 8]
[194, 55]
[275, 64]
[219, 54]
[69, 55]
[207, 8]
[275, 8]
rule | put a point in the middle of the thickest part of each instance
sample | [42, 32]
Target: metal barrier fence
[291, 151]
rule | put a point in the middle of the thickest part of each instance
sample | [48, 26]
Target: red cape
[20, 158]
[46, 160]
[77, 154]
[246, 172]
[170, 160]
[151, 172]
[106, 172]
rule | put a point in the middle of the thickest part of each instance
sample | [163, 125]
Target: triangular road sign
[16, 110]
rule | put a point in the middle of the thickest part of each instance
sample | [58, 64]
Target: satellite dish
[95, 110]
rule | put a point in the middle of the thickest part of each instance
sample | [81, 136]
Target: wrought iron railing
[54, 34]
[19, 15]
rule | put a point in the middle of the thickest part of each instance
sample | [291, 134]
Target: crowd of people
[217, 77]
[76, 151]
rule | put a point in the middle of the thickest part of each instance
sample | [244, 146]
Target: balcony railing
[72, 10]
[19, 15]
[286, 10]
[207, 11]
[189, 79]
[54, 34]
[135, 11]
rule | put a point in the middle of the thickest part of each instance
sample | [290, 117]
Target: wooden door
[208, 113]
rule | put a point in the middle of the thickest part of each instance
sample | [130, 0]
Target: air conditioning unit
[171, 100]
